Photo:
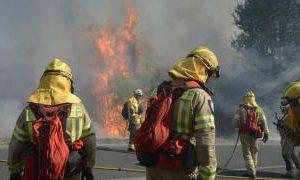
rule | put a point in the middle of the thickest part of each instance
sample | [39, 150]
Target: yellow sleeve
[89, 139]
[262, 120]
[19, 143]
[88, 128]
[237, 118]
[204, 117]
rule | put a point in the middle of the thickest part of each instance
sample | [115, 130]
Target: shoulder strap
[36, 111]
[195, 84]
[192, 84]
[248, 107]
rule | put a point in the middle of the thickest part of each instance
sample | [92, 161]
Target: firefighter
[193, 118]
[290, 100]
[53, 137]
[288, 142]
[135, 111]
[252, 124]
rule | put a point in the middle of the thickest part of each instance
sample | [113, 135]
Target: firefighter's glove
[265, 138]
[15, 176]
[87, 174]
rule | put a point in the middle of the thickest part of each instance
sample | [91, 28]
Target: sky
[34, 32]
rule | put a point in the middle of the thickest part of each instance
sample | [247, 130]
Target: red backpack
[251, 127]
[155, 130]
[49, 160]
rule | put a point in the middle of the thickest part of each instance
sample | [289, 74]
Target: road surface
[111, 156]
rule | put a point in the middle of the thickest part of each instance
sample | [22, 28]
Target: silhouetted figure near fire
[132, 112]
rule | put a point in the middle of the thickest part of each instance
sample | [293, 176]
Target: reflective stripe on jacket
[76, 125]
[193, 118]
[207, 172]
[193, 110]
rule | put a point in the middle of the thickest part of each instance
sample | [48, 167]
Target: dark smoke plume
[34, 32]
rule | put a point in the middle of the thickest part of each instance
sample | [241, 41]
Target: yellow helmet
[56, 85]
[57, 66]
[291, 94]
[208, 58]
[292, 90]
[249, 94]
[249, 99]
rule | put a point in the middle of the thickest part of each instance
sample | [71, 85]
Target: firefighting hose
[106, 168]
[231, 156]
[135, 170]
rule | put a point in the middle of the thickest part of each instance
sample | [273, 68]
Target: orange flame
[113, 59]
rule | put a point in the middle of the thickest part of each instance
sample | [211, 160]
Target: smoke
[10, 110]
[34, 32]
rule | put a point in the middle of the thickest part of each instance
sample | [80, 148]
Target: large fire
[117, 50]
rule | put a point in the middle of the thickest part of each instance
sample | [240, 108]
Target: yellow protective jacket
[193, 118]
[77, 126]
[133, 106]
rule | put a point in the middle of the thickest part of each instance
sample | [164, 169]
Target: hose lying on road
[106, 168]
[231, 156]
[241, 177]
[119, 169]
[103, 148]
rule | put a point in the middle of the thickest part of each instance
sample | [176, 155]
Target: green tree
[269, 27]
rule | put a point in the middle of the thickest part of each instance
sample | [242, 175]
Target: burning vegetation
[117, 53]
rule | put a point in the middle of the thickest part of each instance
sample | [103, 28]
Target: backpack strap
[36, 111]
[195, 84]
[192, 84]
[248, 107]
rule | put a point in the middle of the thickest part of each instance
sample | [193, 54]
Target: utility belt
[253, 132]
[177, 153]
[75, 164]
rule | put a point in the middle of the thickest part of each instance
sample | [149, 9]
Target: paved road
[114, 155]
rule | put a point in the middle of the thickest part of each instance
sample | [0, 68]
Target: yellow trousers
[250, 152]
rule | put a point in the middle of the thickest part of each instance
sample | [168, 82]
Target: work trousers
[250, 152]
[289, 156]
[132, 131]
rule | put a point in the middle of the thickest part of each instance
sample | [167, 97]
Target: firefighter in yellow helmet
[252, 124]
[290, 100]
[288, 142]
[135, 111]
[53, 137]
[193, 118]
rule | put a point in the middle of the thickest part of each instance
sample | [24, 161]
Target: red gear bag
[155, 130]
[251, 127]
[49, 160]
